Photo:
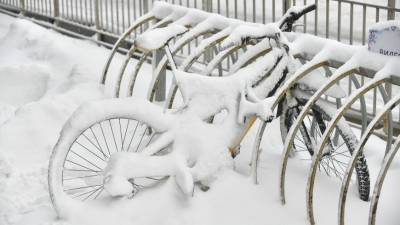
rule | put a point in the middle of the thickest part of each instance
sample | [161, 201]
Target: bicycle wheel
[336, 154]
[92, 134]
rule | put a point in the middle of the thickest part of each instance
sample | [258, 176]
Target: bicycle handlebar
[244, 34]
[292, 15]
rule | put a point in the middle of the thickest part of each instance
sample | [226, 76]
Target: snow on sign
[384, 38]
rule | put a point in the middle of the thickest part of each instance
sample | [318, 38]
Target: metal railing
[344, 20]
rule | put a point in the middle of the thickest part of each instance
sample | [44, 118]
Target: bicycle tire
[330, 162]
[90, 137]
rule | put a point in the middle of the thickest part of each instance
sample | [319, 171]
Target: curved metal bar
[205, 44]
[219, 58]
[359, 150]
[188, 63]
[296, 125]
[140, 21]
[130, 53]
[260, 49]
[363, 105]
[136, 70]
[379, 182]
[386, 99]
[303, 71]
[214, 63]
[128, 56]
[181, 42]
[331, 125]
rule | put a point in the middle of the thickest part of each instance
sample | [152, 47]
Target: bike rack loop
[135, 73]
[310, 66]
[173, 14]
[382, 174]
[178, 16]
[181, 42]
[215, 62]
[211, 41]
[219, 58]
[292, 132]
[332, 124]
[360, 148]
[203, 46]
[140, 21]
[128, 56]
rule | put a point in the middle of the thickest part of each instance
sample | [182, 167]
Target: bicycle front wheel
[93, 133]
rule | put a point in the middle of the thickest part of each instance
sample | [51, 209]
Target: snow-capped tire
[79, 126]
[362, 174]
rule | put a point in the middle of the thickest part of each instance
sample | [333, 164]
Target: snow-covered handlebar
[292, 15]
[243, 34]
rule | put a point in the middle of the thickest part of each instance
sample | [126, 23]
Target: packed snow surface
[53, 74]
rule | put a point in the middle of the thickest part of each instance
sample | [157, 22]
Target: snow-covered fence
[345, 20]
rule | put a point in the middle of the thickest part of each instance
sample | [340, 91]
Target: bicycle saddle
[157, 38]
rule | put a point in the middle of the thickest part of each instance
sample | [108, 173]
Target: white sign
[384, 38]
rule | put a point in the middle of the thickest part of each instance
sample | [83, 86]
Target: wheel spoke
[83, 187]
[133, 135]
[123, 140]
[102, 187]
[88, 150]
[151, 138]
[90, 192]
[144, 133]
[85, 159]
[105, 140]
[82, 170]
[78, 170]
[81, 177]
[75, 163]
[98, 143]
[120, 131]
[112, 131]
[98, 194]
[90, 141]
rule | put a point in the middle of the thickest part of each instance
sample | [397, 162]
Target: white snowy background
[44, 76]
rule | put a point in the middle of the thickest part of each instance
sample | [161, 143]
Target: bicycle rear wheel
[336, 154]
[88, 139]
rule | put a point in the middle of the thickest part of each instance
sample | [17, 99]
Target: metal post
[161, 85]
[97, 19]
[22, 7]
[208, 54]
[391, 12]
[56, 5]
[145, 6]
[286, 5]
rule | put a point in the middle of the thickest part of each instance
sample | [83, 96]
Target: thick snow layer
[157, 38]
[72, 69]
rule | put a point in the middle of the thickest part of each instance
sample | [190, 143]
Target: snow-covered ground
[45, 76]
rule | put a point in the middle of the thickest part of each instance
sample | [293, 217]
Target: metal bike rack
[343, 61]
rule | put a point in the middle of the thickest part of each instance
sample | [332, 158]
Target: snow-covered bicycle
[128, 144]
